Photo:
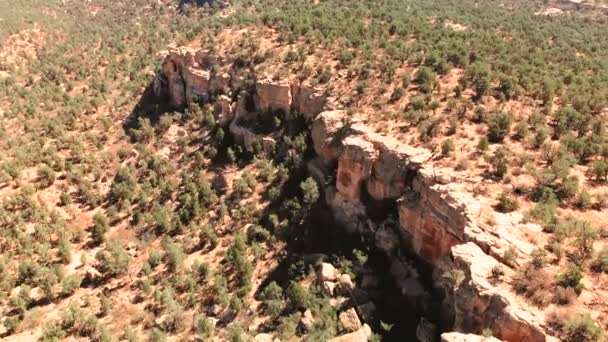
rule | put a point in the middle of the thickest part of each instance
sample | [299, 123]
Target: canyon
[381, 188]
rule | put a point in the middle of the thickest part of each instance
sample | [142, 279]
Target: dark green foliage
[113, 260]
[310, 191]
[298, 296]
[571, 277]
[447, 147]
[506, 203]
[500, 161]
[425, 79]
[499, 126]
[100, 227]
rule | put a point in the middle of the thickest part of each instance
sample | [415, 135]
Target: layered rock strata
[423, 210]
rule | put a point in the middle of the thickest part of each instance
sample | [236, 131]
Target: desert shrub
[535, 284]
[583, 328]
[584, 200]
[600, 264]
[571, 277]
[298, 296]
[310, 191]
[157, 335]
[483, 144]
[101, 225]
[510, 257]
[500, 161]
[541, 134]
[521, 130]
[430, 128]
[599, 169]
[46, 176]
[397, 94]
[65, 199]
[273, 299]
[174, 255]
[497, 272]
[70, 284]
[52, 332]
[425, 79]
[462, 164]
[506, 203]
[447, 147]
[564, 295]
[113, 260]
[539, 257]
[585, 236]
[105, 305]
[405, 82]
[499, 126]
[204, 327]
[207, 236]
[11, 324]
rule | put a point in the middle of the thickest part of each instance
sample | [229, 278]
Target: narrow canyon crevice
[427, 249]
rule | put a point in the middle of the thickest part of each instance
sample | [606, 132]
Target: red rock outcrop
[188, 75]
[439, 220]
[272, 96]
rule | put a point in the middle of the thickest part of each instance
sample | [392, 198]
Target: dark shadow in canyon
[316, 236]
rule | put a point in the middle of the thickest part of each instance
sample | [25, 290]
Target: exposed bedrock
[380, 187]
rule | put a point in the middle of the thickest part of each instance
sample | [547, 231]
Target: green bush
[499, 126]
[571, 277]
[447, 147]
[583, 328]
[506, 203]
[600, 264]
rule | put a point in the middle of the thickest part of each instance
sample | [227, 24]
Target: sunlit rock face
[431, 215]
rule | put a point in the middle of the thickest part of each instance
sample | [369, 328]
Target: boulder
[327, 272]
[263, 337]
[361, 335]
[460, 337]
[329, 288]
[344, 286]
[339, 302]
[350, 320]
[215, 310]
[307, 320]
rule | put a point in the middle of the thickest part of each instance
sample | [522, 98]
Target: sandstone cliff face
[433, 216]
[188, 74]
[437, 220]
[272, 96]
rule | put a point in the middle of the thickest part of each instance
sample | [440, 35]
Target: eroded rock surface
[432, 214]
[437, 218]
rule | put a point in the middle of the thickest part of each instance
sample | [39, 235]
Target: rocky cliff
[379, 187]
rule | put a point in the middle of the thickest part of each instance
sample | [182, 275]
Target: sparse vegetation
[104, 188]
